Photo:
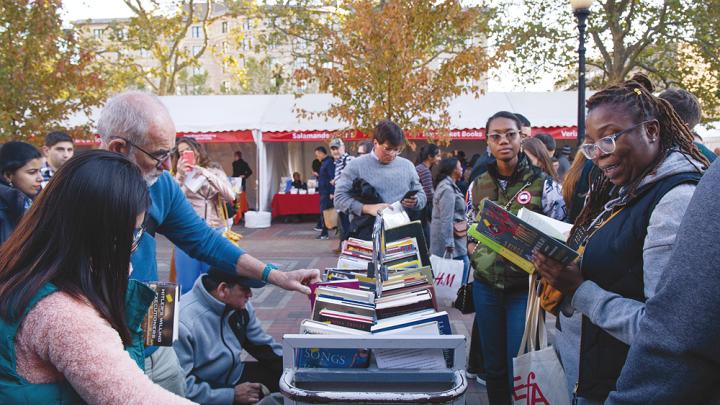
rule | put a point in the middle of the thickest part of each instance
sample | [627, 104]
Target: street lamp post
[581, 10]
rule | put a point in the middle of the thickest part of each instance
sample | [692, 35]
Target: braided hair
[635, 97]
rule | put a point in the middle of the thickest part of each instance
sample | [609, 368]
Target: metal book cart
[373, 385]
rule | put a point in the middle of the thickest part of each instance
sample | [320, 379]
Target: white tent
[283, 143]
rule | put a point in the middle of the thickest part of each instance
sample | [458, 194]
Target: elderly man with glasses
[138, 125]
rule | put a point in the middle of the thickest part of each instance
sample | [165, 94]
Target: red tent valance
[243, 136]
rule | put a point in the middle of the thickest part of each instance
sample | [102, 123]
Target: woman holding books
[69, 316]
[448, 228]
[500, 289]
[207, 189]
[625, 233]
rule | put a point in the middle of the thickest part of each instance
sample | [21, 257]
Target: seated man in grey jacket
[216, 324]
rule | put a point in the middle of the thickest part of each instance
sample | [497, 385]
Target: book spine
[348, 323]
[403, 309]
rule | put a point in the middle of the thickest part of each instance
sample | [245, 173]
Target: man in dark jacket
[241, 168]
[325, 187]
[675, 358]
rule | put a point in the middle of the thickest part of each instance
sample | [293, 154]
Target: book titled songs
[161, 322]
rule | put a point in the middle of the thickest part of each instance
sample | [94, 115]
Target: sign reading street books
[515, 239]
[161, 322]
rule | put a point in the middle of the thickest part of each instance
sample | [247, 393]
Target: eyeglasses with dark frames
[160, 157]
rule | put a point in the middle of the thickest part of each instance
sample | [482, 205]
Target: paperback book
[160, 326]
[516, 240]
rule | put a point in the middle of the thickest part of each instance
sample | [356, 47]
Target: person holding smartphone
[207, 189]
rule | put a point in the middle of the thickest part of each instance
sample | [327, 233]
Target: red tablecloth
[295, 204]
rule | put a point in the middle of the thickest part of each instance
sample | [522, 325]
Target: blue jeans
[500, 319]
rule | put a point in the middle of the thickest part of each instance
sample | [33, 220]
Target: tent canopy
[278, 113]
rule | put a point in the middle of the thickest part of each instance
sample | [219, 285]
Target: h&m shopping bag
[448, 277]
[538, 377]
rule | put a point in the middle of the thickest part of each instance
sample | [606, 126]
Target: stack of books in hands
[346, 304]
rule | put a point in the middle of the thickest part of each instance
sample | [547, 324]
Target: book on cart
[421, 359]
[160, 326]
[399, 304]
[331, 358]
[517, 240]
[400, 254]
[345, 283]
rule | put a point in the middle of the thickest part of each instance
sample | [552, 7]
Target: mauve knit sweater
[62, 338]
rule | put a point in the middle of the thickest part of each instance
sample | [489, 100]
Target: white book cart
[372, 385]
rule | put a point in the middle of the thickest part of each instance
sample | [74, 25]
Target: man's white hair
[129, 115]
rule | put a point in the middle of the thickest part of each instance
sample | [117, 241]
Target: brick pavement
[293, 246]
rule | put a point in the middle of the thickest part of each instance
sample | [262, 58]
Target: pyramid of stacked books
[346, 303]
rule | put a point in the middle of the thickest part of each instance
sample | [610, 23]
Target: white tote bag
[448, 276]
[538, 377]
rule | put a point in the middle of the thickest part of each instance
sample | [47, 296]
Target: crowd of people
[634, 316]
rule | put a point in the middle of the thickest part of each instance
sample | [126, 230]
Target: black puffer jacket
[12, 208]
[361, 227]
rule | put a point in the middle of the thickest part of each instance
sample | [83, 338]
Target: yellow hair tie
[637, 91]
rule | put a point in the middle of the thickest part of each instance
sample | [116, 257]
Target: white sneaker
[470, 375]
[480, 381]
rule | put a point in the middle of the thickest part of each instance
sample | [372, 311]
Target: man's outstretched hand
[296, 280]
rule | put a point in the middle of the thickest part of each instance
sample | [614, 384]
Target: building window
[196, 50]
[224, 86]
[224, 47]
[98, 33]
[224, 27]
[247, 25]
[196, 31]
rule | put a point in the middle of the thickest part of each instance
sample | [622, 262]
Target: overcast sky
[84, 9]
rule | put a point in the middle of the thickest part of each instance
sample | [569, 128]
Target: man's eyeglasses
[160, 157]
[392, 151]
[606, 145]
[497, 137]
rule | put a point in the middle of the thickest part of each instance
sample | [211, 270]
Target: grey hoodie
[617, 315]
[209, 359]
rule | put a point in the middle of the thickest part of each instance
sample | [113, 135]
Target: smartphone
[410, 194]
[188, 157]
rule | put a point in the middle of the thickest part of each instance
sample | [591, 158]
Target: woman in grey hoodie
[625, 232]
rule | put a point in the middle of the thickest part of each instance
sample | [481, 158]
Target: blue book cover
[332, 358]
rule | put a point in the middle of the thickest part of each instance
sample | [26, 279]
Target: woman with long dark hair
[69, 316]
[20, 181]
[448, 210]
[626, 231]
[207, 189]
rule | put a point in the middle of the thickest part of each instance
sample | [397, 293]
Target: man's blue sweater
[177, 221]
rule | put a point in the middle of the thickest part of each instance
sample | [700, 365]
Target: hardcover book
[515, 239]
[331, 358]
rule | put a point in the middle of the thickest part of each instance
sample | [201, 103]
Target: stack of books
[401, 254]
[407, 306]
